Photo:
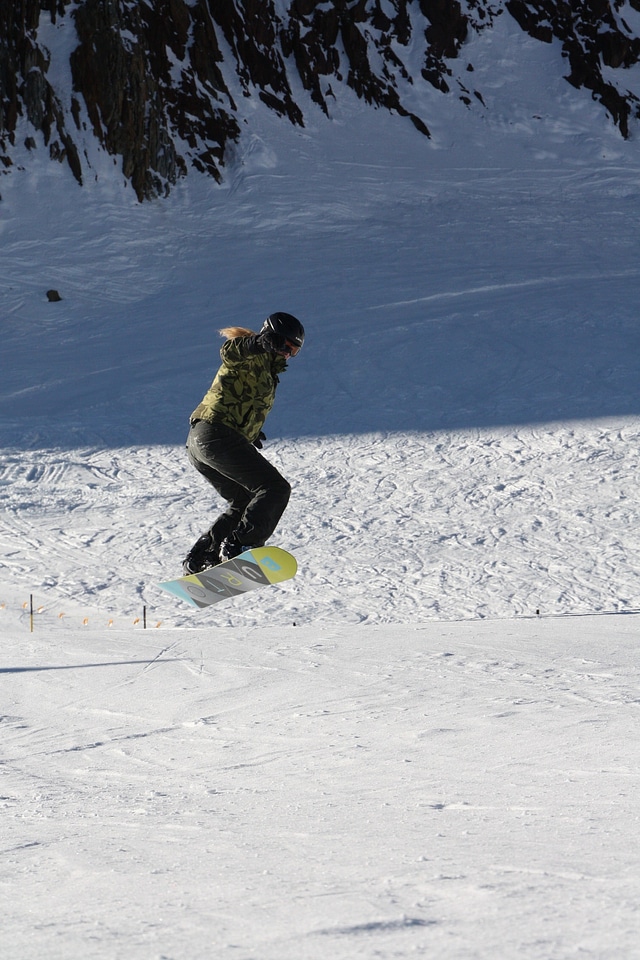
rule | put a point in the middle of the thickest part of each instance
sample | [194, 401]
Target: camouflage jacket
[244, 388]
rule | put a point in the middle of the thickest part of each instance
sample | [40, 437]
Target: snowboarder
[226, 433]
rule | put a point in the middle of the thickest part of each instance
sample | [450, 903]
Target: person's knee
[285, 488]
[273, 489]
[282, 490]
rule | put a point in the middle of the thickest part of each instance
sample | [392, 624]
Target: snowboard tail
[248, 571]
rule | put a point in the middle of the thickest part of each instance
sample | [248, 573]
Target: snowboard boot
[231, 547]
[203, 554]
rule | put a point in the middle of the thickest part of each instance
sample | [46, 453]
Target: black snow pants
[256, 493]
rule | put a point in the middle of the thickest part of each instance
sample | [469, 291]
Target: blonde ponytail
[230, 333]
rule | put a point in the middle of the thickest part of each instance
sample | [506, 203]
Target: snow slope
[392, 755]
[444, 790]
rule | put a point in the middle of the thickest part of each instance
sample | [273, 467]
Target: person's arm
[241, 348]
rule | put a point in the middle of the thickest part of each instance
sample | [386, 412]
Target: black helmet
[287, 326]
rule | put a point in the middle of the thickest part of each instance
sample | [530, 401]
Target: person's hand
[273, 343]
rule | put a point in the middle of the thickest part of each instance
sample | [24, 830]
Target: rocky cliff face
[159, 83]
[594, 35]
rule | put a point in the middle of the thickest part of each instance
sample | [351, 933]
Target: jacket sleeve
[240, 349]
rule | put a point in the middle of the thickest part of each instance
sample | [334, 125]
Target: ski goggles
[292, 348]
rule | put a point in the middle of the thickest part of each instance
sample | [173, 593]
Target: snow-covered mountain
[168, 86]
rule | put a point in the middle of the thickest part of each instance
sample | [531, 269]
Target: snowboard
[251, 569]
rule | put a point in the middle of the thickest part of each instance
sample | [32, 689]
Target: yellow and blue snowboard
[251, 569]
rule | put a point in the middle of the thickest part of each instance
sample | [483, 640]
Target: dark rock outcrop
[592, 35]
[152, 82]
[24, 87]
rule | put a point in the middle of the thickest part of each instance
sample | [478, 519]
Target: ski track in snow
[450, 790]
[386, 528]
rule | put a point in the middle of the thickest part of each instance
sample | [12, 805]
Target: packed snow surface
[427, 743]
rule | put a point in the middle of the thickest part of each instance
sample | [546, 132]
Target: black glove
[272, 342]
[258, 441]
